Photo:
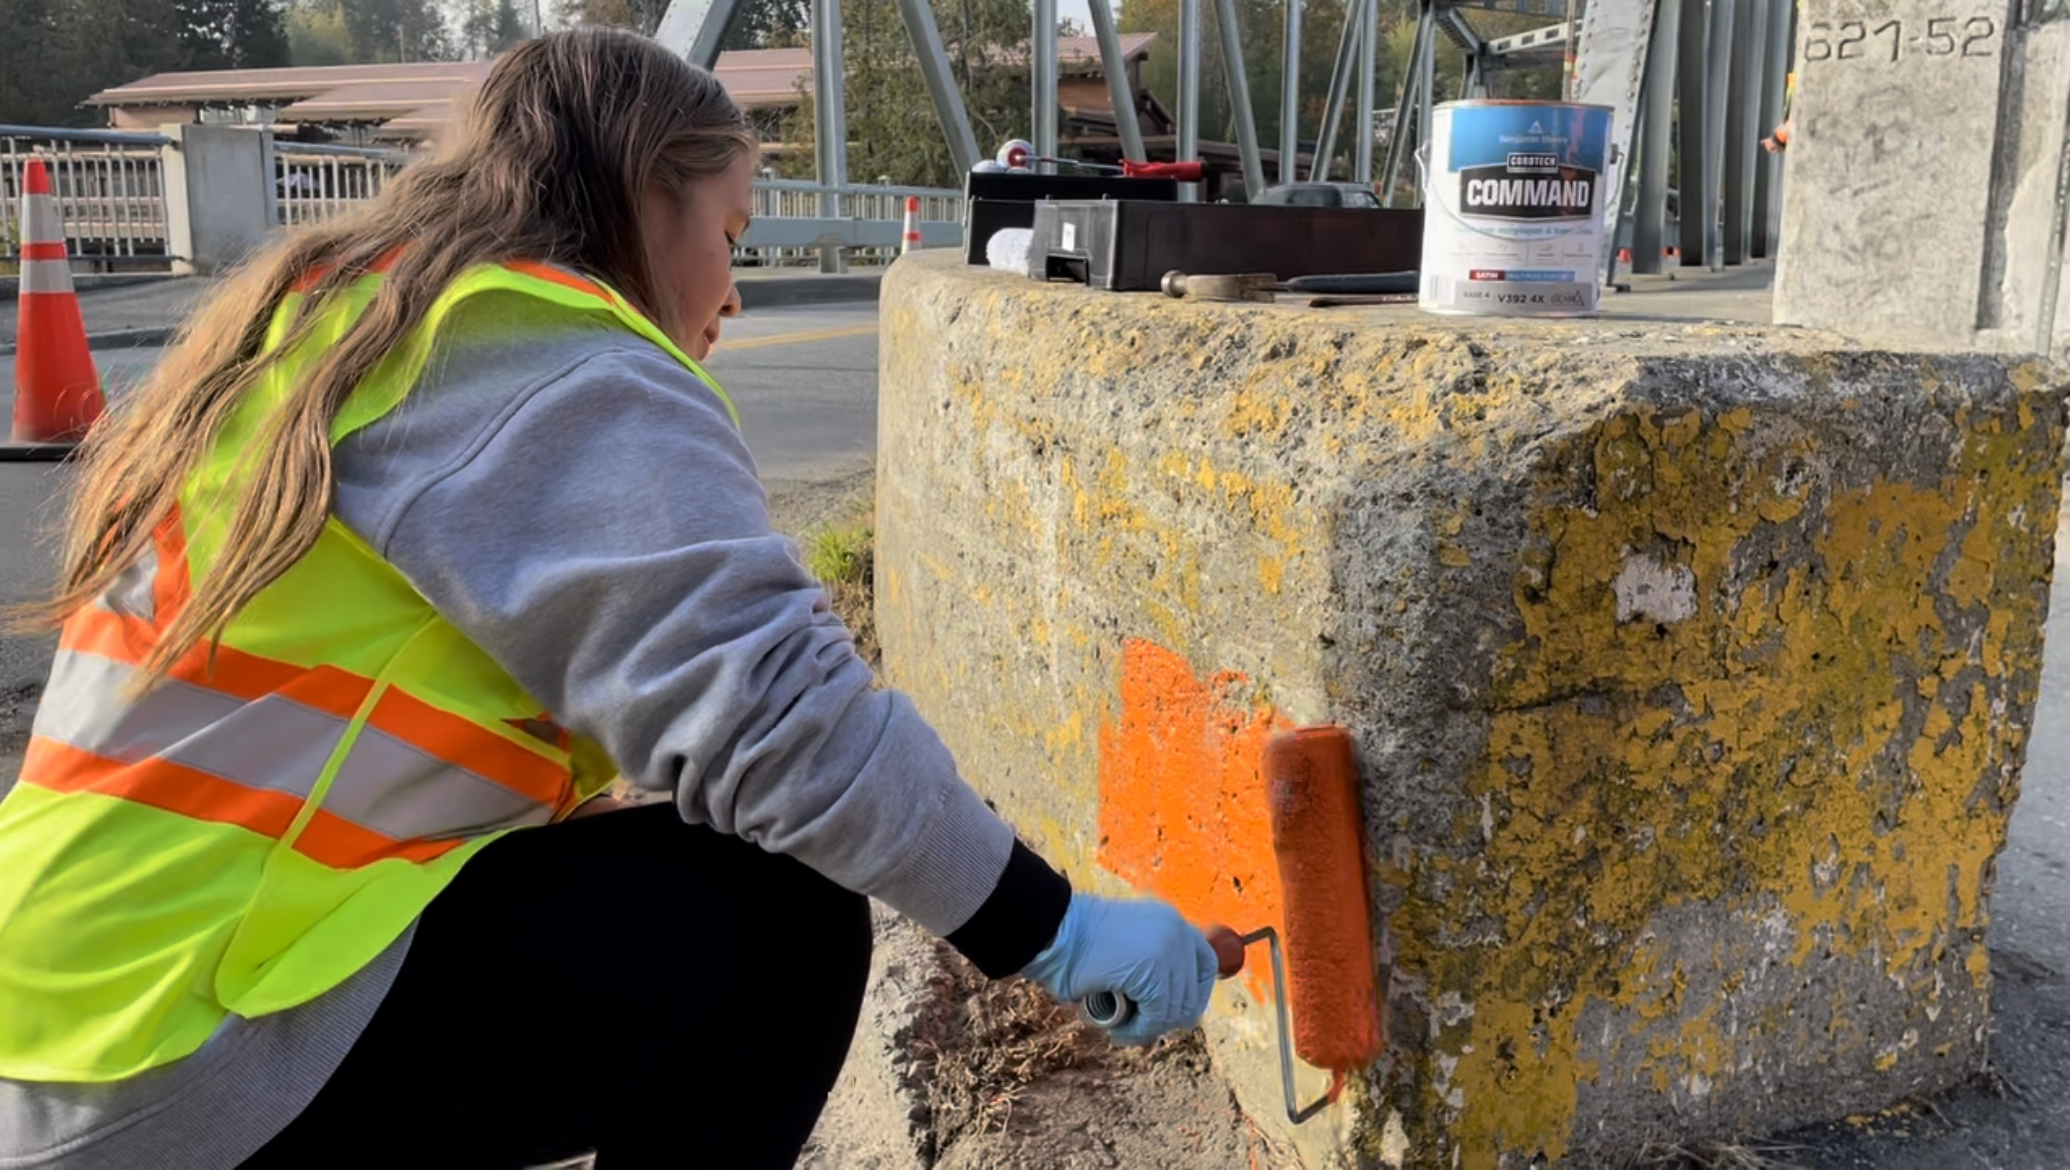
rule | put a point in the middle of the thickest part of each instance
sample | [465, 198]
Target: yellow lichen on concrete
[1639, 759]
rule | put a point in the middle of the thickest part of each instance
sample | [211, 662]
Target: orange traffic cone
[57, 393]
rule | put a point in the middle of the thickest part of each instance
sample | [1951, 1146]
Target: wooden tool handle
[1228, 950]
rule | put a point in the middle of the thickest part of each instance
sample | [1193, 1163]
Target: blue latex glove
[1144, 950]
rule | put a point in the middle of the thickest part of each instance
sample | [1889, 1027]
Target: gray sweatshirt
[582, 507]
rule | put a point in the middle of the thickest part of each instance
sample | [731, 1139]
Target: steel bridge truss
[1722, 62]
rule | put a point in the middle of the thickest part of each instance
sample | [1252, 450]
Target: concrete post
[1922, 174]
[220, 199]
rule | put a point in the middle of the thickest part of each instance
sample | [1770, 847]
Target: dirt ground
[950, 1071]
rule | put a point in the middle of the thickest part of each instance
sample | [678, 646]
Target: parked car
[1318, 195]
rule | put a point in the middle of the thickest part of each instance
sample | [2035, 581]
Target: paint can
[1513, 198]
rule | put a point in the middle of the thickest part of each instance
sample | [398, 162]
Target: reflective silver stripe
[131, 593]
[46, 276]
[83, 707]
[397, 790]
[276, 744]
[44, 225]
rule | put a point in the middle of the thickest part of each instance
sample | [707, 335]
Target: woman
[429, 525]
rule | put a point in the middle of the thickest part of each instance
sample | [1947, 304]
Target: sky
[1079, 12]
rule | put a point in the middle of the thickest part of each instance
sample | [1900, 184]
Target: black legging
[626, 983]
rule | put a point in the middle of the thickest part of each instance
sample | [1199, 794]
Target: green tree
[769, 24]
[892, 128]
[59, 52]
[394, 30]
[232, 34]
[757, 24]
[317, 35]
[491, 26]
[644, 15]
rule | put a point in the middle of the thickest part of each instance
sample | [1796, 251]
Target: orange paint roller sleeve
[1312, 783]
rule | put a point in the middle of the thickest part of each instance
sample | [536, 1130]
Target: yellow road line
[795, 338]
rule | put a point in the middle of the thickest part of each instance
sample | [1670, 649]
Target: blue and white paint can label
[1513, 196]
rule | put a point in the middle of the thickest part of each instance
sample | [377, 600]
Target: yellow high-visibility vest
[246, 834]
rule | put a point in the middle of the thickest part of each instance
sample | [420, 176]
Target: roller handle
[1185, 172]
[1111, 1009]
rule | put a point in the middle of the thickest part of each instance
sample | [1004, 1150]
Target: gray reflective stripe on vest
[132, 592]
[46, 276]
[274, 744]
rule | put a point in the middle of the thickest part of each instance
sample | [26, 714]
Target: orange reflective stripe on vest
[242, 740]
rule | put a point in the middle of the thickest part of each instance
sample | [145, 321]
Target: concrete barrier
[1690, 667]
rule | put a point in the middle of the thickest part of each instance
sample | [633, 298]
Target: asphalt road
[804, 380]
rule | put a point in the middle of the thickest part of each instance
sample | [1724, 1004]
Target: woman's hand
[1144, 950]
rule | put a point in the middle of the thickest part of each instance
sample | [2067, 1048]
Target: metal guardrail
[108, 191]
[789, 228]
[316, 182]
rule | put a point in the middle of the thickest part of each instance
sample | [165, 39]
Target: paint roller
[1325, 966]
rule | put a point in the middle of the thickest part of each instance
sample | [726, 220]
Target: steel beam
[1717, 88]
[1742, 135]
[1340, 85]
[1290, 95]
[1536, 41]
[1118, 90]
[941, 84]
[1690, 72]
[1768, 168]
[1042, 80]
[830, 119]
[1426, 73]
[1239, 95]
[1368, 63]
[696, 29]
[1189, 91]
[1655, 141]
[1398, 139]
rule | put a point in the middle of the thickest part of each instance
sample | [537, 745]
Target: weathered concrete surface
[219, 195]
[1923, 173]
[1690, 666]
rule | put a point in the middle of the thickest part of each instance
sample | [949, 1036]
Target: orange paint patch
[1183, 813]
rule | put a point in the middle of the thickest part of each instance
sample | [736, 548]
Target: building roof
[375, 101]
[755, 77]
[416, 99]
[230, 86]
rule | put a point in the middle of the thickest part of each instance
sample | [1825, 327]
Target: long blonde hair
[565, 135]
